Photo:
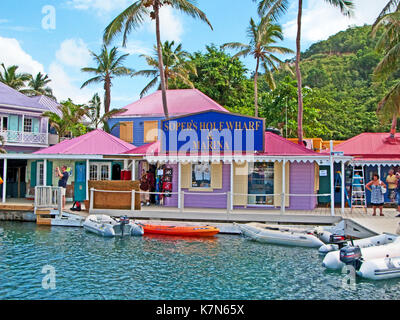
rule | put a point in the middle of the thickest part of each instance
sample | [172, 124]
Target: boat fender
[350, 255]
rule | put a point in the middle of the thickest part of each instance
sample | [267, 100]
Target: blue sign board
[212, 131]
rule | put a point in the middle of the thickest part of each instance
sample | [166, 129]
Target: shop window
[261, 183]
[150, 131]
[201, 175]
[100, 171]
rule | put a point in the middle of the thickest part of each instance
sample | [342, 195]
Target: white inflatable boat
[332, 259]
[105, 226]
[380, 269]
[362, 243]
[279, 236]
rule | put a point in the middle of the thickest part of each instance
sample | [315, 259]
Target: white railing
[24, 137]
[48, 197]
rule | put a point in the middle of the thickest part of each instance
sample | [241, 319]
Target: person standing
[375, 186]
[62, 182]
[391, 180]
[144, 189]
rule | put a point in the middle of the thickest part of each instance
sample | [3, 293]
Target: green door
[324, 183]
[80, 181]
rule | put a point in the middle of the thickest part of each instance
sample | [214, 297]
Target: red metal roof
[274, 145]
[371, 145]
[180, 101]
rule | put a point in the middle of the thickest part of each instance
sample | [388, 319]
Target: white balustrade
[24, 137]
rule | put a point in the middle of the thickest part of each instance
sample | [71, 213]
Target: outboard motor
[338, 239]
[350, 255]
[123, 221]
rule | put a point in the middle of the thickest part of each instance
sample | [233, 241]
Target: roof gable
[94, 142]
[181, 101]
[12, 98]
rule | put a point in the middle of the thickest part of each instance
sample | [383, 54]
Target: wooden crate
[114, 200]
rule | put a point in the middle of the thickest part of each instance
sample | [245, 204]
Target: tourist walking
[391, 180]
[144, 189]
[377, 188]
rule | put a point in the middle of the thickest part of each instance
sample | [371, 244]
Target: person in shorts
[391, 181]
[63, 174]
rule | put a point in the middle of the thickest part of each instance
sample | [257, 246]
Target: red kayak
[198, 231]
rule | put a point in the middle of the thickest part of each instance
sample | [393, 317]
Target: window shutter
[126, 131]
[13, 123]
[150, 131]
[278, 183]
[316, 177]
[49, 174]
[186, 175]
[35, 125]
[216, 175]
[240, 183]
[33, 173]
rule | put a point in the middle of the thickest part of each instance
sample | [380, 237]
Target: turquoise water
[226, 267]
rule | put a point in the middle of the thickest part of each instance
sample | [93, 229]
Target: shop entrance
[261, 183]
[16, 171]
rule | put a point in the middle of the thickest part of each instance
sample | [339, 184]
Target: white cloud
[100, 6]
[321, 20]
[11, 53]
[136, 47]
[171, 25]
[74, 53]
[64, 86]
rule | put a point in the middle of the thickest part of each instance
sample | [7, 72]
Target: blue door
[80, 181]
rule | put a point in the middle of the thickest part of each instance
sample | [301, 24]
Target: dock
[23, 210]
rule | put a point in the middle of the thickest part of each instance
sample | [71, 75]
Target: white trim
[22, 107]
[4, 180]
[179, 185]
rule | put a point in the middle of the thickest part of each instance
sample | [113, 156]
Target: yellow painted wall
[240, 183]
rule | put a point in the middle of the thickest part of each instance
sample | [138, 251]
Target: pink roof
[371, 145]
[274, 145]
[93, 142]
[181, 101]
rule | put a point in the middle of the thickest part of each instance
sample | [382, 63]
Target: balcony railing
[24, 137]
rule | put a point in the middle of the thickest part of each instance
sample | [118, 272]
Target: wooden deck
[319, 216]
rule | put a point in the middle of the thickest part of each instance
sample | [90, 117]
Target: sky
[55, 36]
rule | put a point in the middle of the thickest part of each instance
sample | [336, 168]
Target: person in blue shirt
[63, 175]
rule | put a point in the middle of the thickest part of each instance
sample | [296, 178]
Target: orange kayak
[198, 231]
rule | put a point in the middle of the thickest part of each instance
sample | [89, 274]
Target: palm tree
[389, 45]
[133, 16]
[109, 65]
[176, 67]
[69, 123]
[37, 86]
[274, 9]
[263, 37]
[95, 116]
[15, 80]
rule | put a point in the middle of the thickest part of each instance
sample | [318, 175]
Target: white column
[4, 180]
[232, 195]
[283, 186]
[22, 132]
[179, 186]
[343, 186]
[332, 168]
[87, 178]
[379, 171]
[44, 172]
[133, 176]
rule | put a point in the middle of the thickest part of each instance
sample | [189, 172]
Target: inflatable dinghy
[279, 236]
[380, 269]
[105, 226]
[334, 259]
[362, 243]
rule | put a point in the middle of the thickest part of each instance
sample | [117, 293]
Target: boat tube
[197, 231]
[105, 226]
[337, 259]
[380, 269]
[282, 237]
[362, 243]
